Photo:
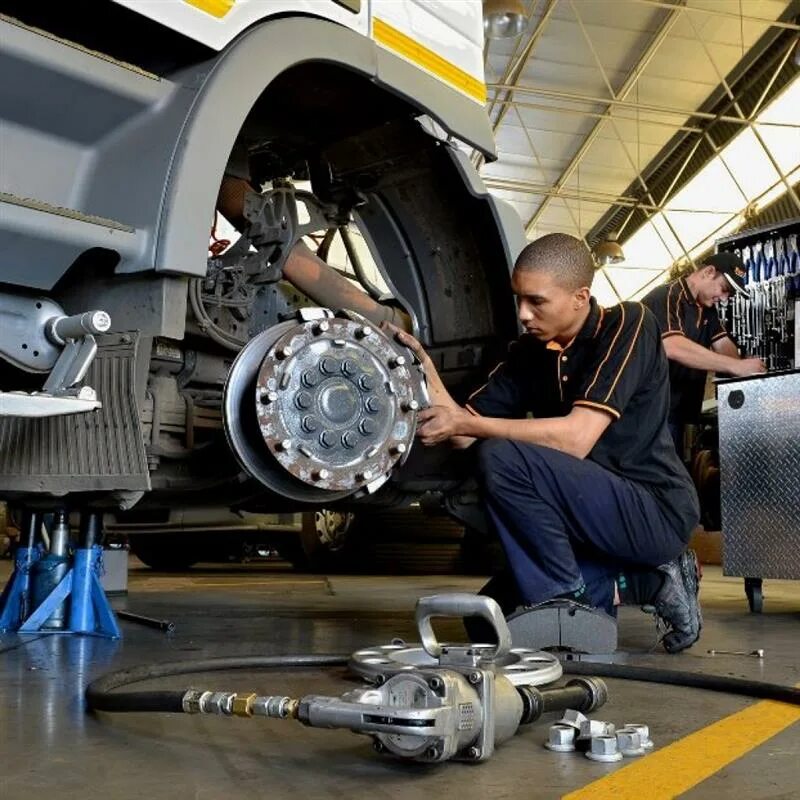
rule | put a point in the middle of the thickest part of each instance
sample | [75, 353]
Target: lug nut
[321, 474]
[284, 352]
[398, 449]
[573, 718]
[326, 439]
[268, 397]
[643, 731]
[397, 361]
[349, 439]
[592, 728]
[561, 738]
[321, 327]
[363, 331]
[348, 367]
[366, 382]
[604, 748]
[309, 378]
[367, 427]
[284, 445]
[328, 366]
[303, 400]
[629, 743]
[372, 404]
[309, 424]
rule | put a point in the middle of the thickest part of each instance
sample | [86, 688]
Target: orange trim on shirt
[672, 333]
[627, 356]
[611, 347]
[591, 404]
[720, 335]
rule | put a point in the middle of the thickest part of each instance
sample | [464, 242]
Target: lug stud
[364, 476]
[398, 449]
[411, 405]
[321, 474]
[397, 361]
[284, 352]
[363, 331]
[321, 327]
[284, 445]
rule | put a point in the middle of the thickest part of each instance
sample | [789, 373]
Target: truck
[148, 365]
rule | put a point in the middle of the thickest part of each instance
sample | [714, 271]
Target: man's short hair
[566, 258]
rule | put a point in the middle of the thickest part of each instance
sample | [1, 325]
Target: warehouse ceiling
[665, 121]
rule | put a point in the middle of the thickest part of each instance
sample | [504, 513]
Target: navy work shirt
[678, 315]
[616, 364]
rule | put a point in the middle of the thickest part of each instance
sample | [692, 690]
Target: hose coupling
[197, 701]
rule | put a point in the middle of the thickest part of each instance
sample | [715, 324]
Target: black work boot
[677, 604]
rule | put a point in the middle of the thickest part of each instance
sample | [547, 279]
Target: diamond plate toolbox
[759, 448]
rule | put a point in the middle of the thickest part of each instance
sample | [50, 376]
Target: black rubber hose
[692, 680]
[100, 694]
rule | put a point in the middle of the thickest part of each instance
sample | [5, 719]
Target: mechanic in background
[694, 337]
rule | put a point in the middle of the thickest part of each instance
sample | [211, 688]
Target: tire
[325, 542]
[164, 552]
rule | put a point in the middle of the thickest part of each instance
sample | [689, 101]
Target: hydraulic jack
[55, 590]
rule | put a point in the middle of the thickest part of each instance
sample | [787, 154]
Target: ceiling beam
[577, 97]
[630, 81]
[718, 12]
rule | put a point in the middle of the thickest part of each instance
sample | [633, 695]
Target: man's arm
[576, 433]
[690, 354]
[439, 395]
[726, 347]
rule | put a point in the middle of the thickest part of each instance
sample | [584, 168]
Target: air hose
[101, 694]
[691, 680]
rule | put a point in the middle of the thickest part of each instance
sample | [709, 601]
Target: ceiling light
[503, 19]
[609, 251]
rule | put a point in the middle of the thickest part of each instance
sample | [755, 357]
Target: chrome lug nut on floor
[629, 742]
[562, 738]
[604, 748]
[643, 731]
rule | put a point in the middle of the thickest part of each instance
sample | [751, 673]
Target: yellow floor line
[666, 773]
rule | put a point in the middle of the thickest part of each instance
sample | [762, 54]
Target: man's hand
[749, 366]
[407, 340]
[438, 424]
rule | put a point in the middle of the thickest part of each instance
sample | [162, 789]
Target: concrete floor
[51, 748]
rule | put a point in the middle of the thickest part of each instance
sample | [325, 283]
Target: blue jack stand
[48, 595]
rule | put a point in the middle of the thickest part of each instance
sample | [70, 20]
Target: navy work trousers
[565, 522]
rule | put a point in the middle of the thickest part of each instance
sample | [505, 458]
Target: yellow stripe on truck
[217, 8]
[396, 40]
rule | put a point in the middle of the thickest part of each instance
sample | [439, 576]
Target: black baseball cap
[732, 267]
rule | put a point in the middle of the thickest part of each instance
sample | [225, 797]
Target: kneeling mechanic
[580, 477]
